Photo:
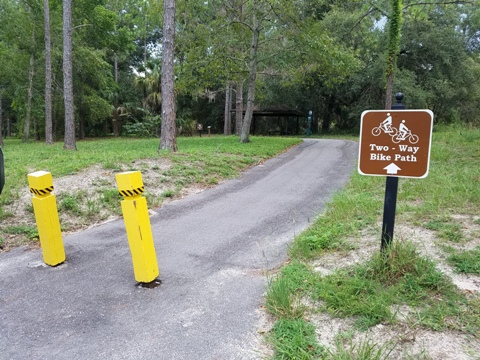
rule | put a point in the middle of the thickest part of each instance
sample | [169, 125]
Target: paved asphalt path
[214, 250]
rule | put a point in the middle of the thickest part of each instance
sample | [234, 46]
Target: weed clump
[282, 296]
[466, 262]
[402, 267]
[295, 339]
[394, 276]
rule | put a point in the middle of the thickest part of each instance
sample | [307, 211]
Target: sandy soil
[404, 339]
[88, 186]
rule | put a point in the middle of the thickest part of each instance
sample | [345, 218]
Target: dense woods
[72, 69]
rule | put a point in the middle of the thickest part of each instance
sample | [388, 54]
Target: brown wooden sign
[395, 143]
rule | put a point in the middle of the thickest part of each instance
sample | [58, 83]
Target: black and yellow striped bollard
[46, 216]
[137, 224]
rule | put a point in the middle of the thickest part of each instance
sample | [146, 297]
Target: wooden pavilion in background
[279, 120]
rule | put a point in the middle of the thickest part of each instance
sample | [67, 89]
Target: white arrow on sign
[392, 169]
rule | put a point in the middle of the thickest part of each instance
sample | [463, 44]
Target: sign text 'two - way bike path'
[395, 143]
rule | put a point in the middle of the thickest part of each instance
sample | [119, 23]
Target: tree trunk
[239, 108]
[327, 118]
[145, 40]
[116, 118]
[26, 124]
[168, 139]
[395, 24]
[81, 118]
[239, 92]
[389, 90]
[227, 128]
[115, 122]
[35, 129]
[48, 76]
[9, 127]
[252, 77]
[69, 139]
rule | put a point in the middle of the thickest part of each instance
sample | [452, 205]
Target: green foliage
[414, 276]
[280, 301]
[4, 214]
[168, 194]
[150, 85]
[347, 294]
[352, 209]
[446, 230]
[204, 160]
[395, 25]
[70, 203]
[314, 241]
[30, 232]
[451, 183]
[149, 127]
[440, 86]
[364, 350]
[97, 108]
[109, 198]
[327, 56]
[295, 339]
[467, 261]
[398, 275]
[368, 291]
[371, 292]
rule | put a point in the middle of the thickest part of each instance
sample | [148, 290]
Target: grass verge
[399, 287]
[200, 162]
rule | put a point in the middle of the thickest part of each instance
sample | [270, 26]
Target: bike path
[214, 251]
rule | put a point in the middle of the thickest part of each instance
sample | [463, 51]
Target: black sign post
[402, 150]
[391, 190]
[2, 171]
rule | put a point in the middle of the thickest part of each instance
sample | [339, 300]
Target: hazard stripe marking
[133, 192]
[42, 192]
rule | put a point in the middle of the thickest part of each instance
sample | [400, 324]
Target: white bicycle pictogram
[397, 135]
[412, 138]
[390, 130]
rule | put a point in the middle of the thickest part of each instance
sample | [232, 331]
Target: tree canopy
[334, 57]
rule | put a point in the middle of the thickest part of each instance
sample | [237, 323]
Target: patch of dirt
[408, 341]
[89, 198]
[427, 244]
[400, 341]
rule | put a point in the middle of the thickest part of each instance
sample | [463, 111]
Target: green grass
[69, 203]
[294, 339]
[200, 161]
[283, 297]
[451, 185]
[446, 229]
[224, 155]
[467, 261]
[168, 193]
[31, 232]
[364, 350]
[109, 198]
[369, 292]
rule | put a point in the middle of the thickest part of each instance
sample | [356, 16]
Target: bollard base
[151, 285]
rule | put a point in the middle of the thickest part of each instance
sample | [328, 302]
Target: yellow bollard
[46, 216]
[137, 224]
